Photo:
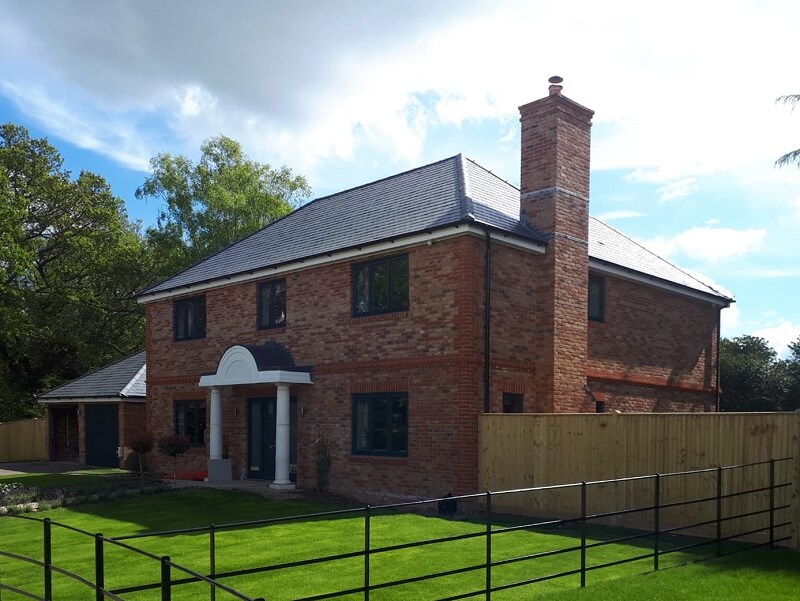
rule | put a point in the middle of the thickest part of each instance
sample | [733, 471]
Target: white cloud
[621, 214]
[730, 320]
[780, 335]
[708, 244]
[305, 82]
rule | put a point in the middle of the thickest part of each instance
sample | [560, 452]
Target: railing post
[212, 559]
[719, 511]
[99, 568]
[48, 560]
[488, 545]
[772, 503]
[367, 512]
[657, 522]
[166, 579]
[583, 534]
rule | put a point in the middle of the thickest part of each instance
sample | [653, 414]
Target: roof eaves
[664, 283]
[344, 249]
[660, 258]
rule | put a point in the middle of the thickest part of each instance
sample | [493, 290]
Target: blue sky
[686, 128]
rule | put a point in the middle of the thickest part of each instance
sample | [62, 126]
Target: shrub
[174, 445]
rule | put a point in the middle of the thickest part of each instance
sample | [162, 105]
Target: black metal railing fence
[495, 525]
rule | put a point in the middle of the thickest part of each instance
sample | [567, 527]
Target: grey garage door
[102, 435]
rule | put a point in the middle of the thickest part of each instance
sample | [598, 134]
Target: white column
[215, 437]
[282, 439]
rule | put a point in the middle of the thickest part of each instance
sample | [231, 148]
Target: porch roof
[268, 363]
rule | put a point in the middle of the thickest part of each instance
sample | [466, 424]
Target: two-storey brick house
[385, 319]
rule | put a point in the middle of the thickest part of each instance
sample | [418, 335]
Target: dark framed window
[272, 304]
[190, 420]
[380, 424]
[189, 318]
[512, 403]
[380, 286]
[597, 293]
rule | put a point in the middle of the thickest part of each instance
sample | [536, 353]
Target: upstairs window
[272, 304]
[597, 294]
[190, 420]
[380, 286]
[189, 318]
[380, 424]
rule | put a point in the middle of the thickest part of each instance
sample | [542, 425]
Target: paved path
[39, 467]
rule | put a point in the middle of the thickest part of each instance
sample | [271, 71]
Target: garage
[90, 418]
[102, 435]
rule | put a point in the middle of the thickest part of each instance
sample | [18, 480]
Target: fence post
[795, 492]
[212, 559]
[166, 583]
[488, 545]
[772, 503]
[657, 522]
[48, 560]
[583, 534]
[99, 568]
[366, 552]
[719, 511]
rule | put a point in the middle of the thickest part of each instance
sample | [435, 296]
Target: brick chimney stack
[554, 199]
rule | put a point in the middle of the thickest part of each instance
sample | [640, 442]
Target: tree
[792, 367]
[752, 378]
[794, 155]
[70, 265]
[174, 445]
[213, 203]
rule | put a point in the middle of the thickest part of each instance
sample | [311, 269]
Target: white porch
[242, 365]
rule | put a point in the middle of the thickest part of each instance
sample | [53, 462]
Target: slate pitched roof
[453, 191]
[125, 379]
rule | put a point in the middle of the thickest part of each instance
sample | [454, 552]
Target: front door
[261, 437]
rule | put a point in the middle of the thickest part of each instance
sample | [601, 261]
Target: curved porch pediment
[269, 363]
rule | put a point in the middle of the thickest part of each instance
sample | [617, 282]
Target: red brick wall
[433, 350]
[132, 421]
[657, 340]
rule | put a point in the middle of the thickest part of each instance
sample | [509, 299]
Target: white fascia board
[276, 376]
[89, 400]
[134, 380]
[344, 255]
[641, 278]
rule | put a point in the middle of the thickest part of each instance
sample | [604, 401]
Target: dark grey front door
[102, 435]
[261, 437]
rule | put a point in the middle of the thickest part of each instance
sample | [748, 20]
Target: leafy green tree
[211, 204]
[792, 368]
[70, 264]
[794, 155]
[751, 377]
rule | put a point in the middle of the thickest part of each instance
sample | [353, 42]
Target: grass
[74, 479]
[755, 574]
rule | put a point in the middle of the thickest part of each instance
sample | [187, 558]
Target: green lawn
[77, 478]
[759, 574]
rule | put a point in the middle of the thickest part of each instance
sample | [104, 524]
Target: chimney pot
[555, 88]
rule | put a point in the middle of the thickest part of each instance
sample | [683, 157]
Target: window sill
[381, 459]
[190, 341]
[271, 331]
[380, 317]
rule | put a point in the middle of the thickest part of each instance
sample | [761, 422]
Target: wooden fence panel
[24, 440]
[527, 450]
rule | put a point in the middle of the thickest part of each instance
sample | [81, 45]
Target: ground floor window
[512, 403]
[190, 420]
[380, 424]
